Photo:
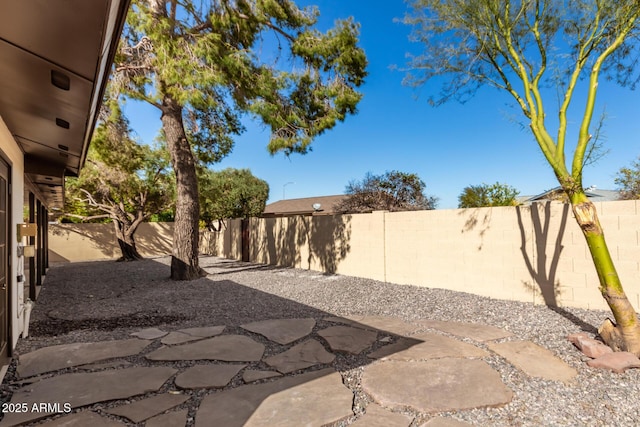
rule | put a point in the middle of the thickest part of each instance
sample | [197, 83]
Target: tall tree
[520, 47]
[476, 196]
[628, 181]
[122, 181]
[392, 191]
[231, 193]
[204, 63]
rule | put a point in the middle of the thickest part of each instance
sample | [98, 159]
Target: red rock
[617, 361]
[589, 346]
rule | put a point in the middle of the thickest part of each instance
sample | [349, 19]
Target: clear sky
[449, 147]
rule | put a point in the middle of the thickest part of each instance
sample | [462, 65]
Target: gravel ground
[84, 302]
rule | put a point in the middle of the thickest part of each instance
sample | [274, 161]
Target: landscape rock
[589, 346]
[618, 361]
[300, 356]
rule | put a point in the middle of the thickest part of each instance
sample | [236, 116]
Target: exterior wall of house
[14, 156]
[531, 253]
[92, 242]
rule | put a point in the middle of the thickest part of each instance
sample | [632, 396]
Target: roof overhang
[55, 57]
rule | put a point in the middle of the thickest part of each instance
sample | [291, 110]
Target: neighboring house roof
[596, 195]
[304, 206]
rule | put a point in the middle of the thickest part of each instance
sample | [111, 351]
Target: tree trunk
[184, 260]
[126, 241]
[625, 334]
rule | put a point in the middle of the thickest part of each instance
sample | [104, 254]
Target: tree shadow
[147, 298]
[474, 221]
[322, 241]
[541, 270]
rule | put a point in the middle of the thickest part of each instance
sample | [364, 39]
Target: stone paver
[82, 419]
[314, 398]
[300, 356]
[171, 419]
[87, 388]
[231, 348]
[149, 333]
[377, 323]
[282, 331]
[348, 339]
[191, 334]
[146, 408]
[534, 360]
[376, 416]
[207, 376]
[49, 359]
[426, 371]
[444, 422]
[475, 331]
[435, 385]
[427, 346]
[251, 375]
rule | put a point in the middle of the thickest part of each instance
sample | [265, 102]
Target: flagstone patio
[428, 367]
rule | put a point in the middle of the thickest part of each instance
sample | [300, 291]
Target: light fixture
[60, 80]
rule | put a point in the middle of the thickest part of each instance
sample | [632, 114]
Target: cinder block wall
[535, 254]
[91, 242]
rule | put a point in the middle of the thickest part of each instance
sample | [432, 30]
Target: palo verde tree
[520, 47]
[204, 63]
[628, 181]
[392, 191]
[121, 181]
[476, 196]
[230, 193]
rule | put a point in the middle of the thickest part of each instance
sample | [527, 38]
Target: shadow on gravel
[124, 297]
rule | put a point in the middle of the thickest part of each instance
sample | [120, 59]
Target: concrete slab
[87, 388]
[282, 331]
[82, 419]
[251, 375]
[149, 333]
[427, 346]
[207, 376]
[435, 385]
[348, 339]
[377, 323]
[475, 331]
[146, 408]
[314, 398]
[230, 348]
[534, 360]
[171, 419]
[300, 356]
[57, 357]
[377, 416]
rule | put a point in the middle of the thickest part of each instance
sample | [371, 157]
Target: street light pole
[283, 188]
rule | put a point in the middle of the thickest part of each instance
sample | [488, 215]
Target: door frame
[5, 357]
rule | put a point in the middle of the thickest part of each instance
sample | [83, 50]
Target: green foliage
[628, 181]
[230, 193]
[121, 179]
[392, 191]
[516, 46]
[214, 60]
[476, 196]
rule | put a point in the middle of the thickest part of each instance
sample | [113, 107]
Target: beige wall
[90, 242]
[14, 155]
[535, 254]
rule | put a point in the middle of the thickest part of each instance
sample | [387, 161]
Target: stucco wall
[12, 152]
[536, 254]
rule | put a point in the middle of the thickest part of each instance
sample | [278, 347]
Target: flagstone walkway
[425, 367]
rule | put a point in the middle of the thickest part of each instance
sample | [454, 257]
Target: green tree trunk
[624, 335]
[184, 260]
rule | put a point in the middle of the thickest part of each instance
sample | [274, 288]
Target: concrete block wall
[529, 253]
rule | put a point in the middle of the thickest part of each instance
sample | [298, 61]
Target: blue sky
[449, 147]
